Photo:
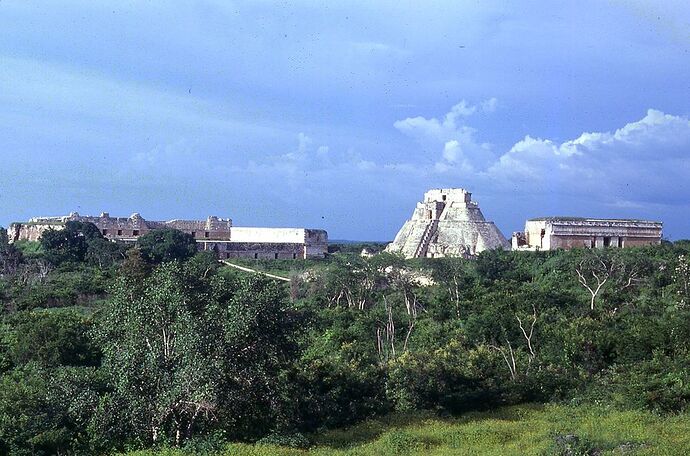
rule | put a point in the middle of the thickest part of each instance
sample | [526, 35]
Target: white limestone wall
[549, 234]
[463, 212]
[447, 195]
[30, 231]
[533, 229]
[274, 235]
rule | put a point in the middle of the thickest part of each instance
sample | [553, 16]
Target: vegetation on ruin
[106, 348]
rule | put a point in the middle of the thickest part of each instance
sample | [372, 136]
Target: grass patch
[518, 430]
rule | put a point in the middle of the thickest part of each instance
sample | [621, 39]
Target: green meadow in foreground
[517, 430]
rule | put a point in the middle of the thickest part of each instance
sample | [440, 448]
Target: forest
[108, 348]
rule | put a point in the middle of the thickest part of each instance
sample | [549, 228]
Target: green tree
[166, 244]
[46, 411]
[104, 253]
[70, 243]
[10, 256]
[52, 338]
[681, 280]
[187, 352]
[134, 267]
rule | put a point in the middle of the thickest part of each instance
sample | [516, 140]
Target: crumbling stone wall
[550, 233]
[30, 231]
[214, 233]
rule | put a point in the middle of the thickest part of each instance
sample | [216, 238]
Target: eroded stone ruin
[215, 234]
[447, 223]
[550, 233]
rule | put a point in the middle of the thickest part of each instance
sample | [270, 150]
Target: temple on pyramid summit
[447, 223]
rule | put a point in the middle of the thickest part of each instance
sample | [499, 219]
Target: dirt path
[242, 268]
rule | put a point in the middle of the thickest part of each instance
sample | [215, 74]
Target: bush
[166, 244]
[453, 379]
[335, 394]
[53, 338]
[661, 383]
[70, 243]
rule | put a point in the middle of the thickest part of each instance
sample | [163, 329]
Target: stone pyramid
[447, 223]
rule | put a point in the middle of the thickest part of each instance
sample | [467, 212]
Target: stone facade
[214, 233]
[550, 233]
[270, 243]
[447, 223]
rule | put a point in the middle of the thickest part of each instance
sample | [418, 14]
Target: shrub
[166, 244]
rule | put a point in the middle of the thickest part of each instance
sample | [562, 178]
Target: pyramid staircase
[429, 232]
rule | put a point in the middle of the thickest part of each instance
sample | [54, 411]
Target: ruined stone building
[214, 234]
[447, 223]
[550, 233]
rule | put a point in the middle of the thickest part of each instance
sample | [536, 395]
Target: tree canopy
[166, 244]
[100, 353]
[185, 351]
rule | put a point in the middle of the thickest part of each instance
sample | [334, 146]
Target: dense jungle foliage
[107, 347]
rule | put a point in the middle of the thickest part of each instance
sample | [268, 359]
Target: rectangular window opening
[206, 234]
[256, 256]
[104, 232]
[275, 256]
[135, 232]
[119, 232]
[607, 241]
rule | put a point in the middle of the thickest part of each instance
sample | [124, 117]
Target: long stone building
[550, 233]
[447, 223]
[216, 234]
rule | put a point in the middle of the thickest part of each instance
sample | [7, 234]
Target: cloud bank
[645, 162]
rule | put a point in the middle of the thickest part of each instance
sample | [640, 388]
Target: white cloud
[643, 164]
[304, 143]
[303, 147]
[307, 159]
[644, 161]
[439, 129]
[167, 157]
[453, 159]
[366, 165]
[451, 151]
[451, 134]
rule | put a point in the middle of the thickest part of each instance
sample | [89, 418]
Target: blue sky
[341, 116]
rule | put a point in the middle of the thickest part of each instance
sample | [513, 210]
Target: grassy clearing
[518, 430]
